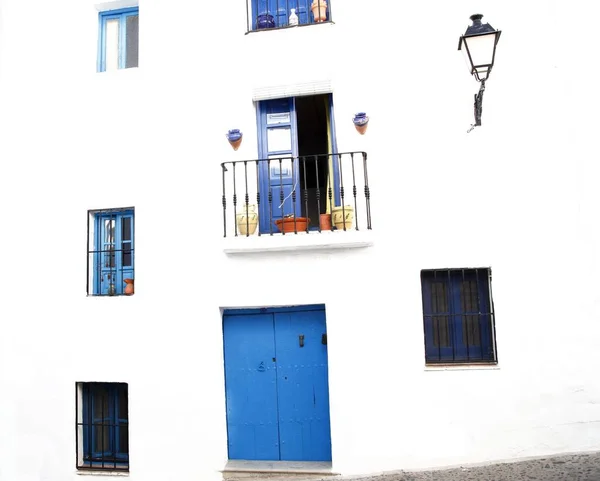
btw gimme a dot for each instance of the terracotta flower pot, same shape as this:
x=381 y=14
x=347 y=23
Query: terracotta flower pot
x=128 y=286
x=319 y=10
x=325 y=221
x=287 y=224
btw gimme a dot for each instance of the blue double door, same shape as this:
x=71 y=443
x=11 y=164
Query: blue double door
x=276 y=384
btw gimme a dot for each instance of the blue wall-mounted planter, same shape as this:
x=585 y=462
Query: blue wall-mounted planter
x=234 y=136
x=360 y=122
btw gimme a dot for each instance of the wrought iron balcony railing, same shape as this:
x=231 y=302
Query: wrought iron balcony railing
x=292 y=195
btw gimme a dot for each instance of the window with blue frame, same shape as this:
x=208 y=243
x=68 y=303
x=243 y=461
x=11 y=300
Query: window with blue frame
x=102 y=426
x=111 y=252
x=285 y=13
x=118 y=43
x=458 y=316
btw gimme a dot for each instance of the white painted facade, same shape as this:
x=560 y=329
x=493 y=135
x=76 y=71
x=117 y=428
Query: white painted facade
x=518 y=194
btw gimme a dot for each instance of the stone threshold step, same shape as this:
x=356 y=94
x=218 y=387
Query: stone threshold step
x=279 y=467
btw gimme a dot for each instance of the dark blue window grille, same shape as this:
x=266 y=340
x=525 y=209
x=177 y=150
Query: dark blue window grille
x=458 y=316
x=111 y=248
x=102 y=426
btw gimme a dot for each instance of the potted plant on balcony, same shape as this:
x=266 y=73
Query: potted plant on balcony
x=289 y=223
x=325 y=221
x=319 y=10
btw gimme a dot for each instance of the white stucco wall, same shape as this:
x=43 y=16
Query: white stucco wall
x=518 y=195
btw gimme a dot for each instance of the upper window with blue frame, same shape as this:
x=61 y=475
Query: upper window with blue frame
x=458 y=316
x=102 y=426
x=111 y=252
x=118 y=44
x=266 y=14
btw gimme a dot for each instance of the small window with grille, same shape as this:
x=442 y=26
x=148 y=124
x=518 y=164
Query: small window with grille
x=111 y=248
x=458 y=316
x=102 y=426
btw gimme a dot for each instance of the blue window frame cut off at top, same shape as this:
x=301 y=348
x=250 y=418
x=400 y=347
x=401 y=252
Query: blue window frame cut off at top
x=458 y=316
x=124 y=39
x=105 y=425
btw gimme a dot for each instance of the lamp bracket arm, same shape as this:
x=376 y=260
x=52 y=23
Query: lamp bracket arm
x=478 y=106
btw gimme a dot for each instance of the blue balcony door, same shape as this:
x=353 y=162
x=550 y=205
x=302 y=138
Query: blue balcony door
x=114 y=246
x=293 y=134
x=276 y=382
x=278 y=142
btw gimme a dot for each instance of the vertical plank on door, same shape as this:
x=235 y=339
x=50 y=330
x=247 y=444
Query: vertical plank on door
x=250 y=384
x=302 y=385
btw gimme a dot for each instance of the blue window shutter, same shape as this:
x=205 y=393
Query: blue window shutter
x=437 y=310
x=336 y=161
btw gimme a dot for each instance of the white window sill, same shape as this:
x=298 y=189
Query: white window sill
x=297 y=242
x=101 y=472
x=462 y=367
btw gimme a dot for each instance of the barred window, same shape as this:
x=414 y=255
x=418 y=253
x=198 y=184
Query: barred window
x=111 y=247
x=458 y=315
x=102 y=426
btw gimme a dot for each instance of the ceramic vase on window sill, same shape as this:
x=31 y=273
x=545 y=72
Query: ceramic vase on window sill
x=265 y=20
x=319 y=10
x=128 y=286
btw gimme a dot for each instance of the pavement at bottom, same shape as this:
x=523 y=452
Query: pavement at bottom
x=570 y=467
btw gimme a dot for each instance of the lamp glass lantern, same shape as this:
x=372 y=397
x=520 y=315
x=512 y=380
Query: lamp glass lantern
x=478 y=44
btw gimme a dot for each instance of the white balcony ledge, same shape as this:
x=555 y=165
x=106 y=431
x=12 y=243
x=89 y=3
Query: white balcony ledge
x=301 y=241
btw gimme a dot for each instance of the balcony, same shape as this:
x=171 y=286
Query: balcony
x=318 y=200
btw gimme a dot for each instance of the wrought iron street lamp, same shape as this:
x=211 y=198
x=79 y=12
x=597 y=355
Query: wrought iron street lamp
x=478 y=44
